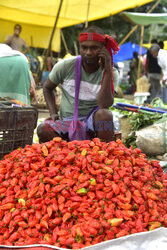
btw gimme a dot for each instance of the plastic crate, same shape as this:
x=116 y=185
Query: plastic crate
x=17 y=126
x=139 y=98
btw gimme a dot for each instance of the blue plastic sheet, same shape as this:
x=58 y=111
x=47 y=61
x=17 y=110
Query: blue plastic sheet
x=126 y=52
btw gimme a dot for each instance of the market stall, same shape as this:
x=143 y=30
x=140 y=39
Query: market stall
x=80 y=195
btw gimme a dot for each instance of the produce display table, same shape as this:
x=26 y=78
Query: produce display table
x=82 y=195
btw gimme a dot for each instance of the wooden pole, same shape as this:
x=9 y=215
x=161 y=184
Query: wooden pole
x=31 y=41
x=54 y=28
x=76 y=48
x=150 y=37
x=87 y=14
x=140 y=52
x=136 y=26
x=153 y=7
x=128 y=35
x=64 y=42
x=47 y=51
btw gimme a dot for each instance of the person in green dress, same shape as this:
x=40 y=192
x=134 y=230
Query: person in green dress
x=134 y=70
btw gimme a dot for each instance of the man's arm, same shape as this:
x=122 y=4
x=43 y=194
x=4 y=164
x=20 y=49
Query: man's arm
x=162 y=62
x=9 y=39
x=48 y=90
x=165 y=72
x=25 y=47
x=25 y=50
x=105 y=98
x=164 y=77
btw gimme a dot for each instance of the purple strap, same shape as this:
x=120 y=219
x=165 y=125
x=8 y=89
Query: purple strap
x=77 y=86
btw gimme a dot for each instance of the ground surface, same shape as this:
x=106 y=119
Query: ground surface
x=43 y=113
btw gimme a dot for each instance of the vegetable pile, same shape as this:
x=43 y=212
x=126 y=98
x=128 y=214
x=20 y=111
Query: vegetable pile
x=80 y=193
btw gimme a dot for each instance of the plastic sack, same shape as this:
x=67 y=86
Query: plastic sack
x=152 y=140
x=157 y=102
x=151 y=240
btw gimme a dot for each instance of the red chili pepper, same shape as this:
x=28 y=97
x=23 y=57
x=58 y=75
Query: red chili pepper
x=76 y=198
x=115 y=188
x=13 y=237
x=32 y=223
x=61 y=199
x=2 y=190
x=32 y=192
x=66 y=216
x=7 y=218
x=100 y=195
x=122 y=233
x=22 y=224
x=8 y=199
x=7 y=206
x=49 y=210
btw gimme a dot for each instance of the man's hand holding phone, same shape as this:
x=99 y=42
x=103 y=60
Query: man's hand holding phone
x=104 y=59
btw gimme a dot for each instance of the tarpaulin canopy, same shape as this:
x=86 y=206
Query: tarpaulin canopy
x=126 y=52
x=145 y=18
x=38 y=16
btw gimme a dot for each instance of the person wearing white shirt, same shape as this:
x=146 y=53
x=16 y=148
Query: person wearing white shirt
x=161 y=55
x=16 y=80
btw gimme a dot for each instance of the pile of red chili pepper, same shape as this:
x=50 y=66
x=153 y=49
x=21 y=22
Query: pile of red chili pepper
x=80 y=193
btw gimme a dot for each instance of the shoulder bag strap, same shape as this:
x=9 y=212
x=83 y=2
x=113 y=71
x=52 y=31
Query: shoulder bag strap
x=77 y=86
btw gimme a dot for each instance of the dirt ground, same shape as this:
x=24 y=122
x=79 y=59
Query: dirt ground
x=128 y=97
x=43 y=113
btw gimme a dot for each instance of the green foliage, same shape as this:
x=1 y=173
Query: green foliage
x=140 y=120
x=126 y=87
x=131 y=140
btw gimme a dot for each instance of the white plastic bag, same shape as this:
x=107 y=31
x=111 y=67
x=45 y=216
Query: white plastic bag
x=151 y=240
x=152 y=140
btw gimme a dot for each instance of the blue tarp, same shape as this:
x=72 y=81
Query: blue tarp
x=126 y=52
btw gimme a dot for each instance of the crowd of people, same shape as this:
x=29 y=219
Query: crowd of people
x=89 y=102
x=154 y=66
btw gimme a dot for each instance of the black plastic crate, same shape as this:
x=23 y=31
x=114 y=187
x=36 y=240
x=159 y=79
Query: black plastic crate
x=17 y=126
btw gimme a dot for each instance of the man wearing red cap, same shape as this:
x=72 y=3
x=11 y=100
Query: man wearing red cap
x=97 y=84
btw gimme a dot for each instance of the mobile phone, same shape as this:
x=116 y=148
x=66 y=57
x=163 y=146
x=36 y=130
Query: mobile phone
x=101 y=62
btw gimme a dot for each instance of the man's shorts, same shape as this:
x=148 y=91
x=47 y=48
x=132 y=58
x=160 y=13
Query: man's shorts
x=61 y=127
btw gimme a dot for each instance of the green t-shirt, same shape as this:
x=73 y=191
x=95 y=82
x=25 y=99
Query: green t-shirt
x=63 y=73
